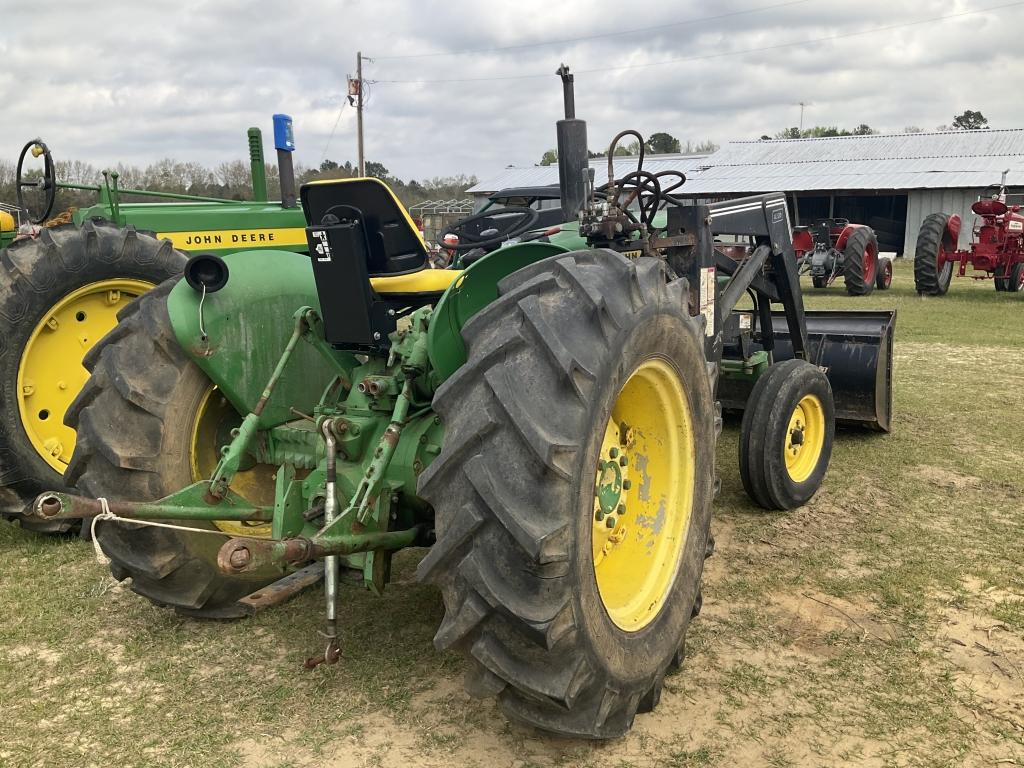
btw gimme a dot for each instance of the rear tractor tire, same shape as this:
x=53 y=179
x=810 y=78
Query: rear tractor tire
x=148 y=422
x=931 y=247
x=59 y=294
x=860 y=261
x=786 y=435
x=573 y=493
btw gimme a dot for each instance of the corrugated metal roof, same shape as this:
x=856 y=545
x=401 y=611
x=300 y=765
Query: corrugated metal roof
x=943 y=160
x=540 y=175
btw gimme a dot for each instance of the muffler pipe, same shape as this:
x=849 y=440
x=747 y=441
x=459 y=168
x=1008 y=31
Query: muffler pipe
x=573 y=160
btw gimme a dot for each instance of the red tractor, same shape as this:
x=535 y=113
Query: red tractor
x=832 y=247
x=997 y=248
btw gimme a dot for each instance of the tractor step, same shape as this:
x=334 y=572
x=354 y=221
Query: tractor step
x=283 y=589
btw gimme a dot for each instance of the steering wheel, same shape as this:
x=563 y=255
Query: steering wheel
x=490 y=228
x=992 y=192
x=47 y=183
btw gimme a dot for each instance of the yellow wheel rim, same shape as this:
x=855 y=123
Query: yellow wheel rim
x=215 y=418
x=643 y=495
x=50 y=372
x=805 y=438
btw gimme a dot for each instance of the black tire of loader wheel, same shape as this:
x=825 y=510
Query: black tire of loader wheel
x=35 y=274
x=134 y=419
x=1002 y=284
x=853 y=261
x=928 y=279
x=763 y=433
x=819 y=282
x=512 y=491
x=883 y=277
x=1016 y=282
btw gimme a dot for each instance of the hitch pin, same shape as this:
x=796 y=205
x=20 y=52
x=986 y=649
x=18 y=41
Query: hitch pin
x=333 y=650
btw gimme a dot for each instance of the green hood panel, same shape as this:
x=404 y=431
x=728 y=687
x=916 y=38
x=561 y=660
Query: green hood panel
x=248 y=323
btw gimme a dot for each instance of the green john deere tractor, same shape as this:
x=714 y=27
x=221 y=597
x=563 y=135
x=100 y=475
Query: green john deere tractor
x=544 y=420
x=62 y=286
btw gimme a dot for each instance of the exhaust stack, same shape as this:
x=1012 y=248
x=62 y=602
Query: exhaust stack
x=573 y=163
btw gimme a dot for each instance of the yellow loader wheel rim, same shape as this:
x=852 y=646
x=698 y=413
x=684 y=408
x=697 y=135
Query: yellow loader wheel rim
x=805 y=438
x=215 y=418
x=50 y=371
x=643 y=496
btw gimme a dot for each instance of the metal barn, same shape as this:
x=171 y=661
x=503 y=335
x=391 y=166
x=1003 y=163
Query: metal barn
x=889 y=181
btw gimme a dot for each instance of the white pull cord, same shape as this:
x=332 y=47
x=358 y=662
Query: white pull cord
x=106 y=514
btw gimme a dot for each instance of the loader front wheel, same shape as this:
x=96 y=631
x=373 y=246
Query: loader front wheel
x=572 y=496
x=786 y=435
x=932 y=248
x=59 y=294
x=860 y=261
x=149 y=423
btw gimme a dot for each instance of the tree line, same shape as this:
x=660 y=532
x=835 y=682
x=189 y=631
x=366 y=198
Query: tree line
x=665 y=143
x=659 y=143
x=230 y=180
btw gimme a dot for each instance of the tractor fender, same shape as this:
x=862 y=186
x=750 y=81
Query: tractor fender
x=475 y=288
x=803 y=243
x=247 y=325
x=952 y=236
x=848 y=230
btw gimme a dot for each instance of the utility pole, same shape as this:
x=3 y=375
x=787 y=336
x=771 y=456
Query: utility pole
x=359 y=112
x=802 y=105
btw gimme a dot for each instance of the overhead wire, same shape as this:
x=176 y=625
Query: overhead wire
x=722 y=54
x=597 y=36
x=344 y=103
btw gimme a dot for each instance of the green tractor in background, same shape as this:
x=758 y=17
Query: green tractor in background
x=61 y=288
x=545 y=420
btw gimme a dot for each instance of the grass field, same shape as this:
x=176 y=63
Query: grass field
x=880 y=625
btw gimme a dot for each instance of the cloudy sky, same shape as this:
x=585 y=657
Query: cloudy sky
x=139 y=81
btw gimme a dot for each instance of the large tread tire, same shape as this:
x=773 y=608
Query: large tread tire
x=134 y=419
x=857 y=244
x=36 y=274
x=928 y=278
x=1015 y=284
x=772 y=401
x=513 y=491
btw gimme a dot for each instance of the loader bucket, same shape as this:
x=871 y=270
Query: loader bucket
x=854 y=348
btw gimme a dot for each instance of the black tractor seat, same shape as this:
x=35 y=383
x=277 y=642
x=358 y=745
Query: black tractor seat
x=369 y=261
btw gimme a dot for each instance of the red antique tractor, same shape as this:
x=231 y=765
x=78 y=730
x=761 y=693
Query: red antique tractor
x=997 y=248
x=833 y=247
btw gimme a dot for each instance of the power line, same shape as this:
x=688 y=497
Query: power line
x=598 y=36
x=723 y=54
x=344 y=103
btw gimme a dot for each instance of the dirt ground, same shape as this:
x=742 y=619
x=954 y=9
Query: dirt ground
x=880 y=625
